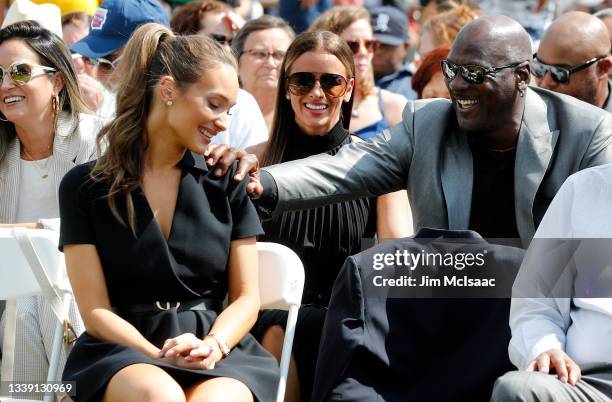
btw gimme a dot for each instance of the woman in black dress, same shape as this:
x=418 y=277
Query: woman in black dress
x=313 y=112
x=154 y=241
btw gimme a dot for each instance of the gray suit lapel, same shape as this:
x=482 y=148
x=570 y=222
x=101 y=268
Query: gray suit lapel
x=534 y=150
x=457 y=179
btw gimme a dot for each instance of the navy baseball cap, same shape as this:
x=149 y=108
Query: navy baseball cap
x=390 y=25
x=114 y=22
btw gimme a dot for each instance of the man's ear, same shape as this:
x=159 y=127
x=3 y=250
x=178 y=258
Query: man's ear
x=603 y=66
x=523 y=74
x=167 y=88
x=349 y=90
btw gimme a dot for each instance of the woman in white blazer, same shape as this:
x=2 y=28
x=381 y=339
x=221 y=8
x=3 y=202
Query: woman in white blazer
x=43 y=134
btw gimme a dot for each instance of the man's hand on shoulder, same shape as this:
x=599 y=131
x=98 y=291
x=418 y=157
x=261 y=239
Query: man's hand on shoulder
x=221 y=158
x=567 y=370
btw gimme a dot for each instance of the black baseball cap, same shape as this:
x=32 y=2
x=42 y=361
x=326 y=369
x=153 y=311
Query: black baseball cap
x=390 y=25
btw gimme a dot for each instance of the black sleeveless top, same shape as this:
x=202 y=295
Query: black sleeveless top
x=322 y=237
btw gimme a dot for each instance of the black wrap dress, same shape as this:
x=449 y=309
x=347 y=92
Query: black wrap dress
x=189 y=267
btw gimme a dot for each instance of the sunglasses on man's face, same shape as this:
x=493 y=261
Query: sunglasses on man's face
x=333 y=85
x=559 y=74
x=472 y=73
x=22 y=72
x=222 y=39
x=370 y=45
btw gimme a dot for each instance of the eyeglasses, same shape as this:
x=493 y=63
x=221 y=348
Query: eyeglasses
x=261 y=55
x=101 y=62
x=472 y=73
x=21 y=72
x=333 y=85
x=370 y=45
x=222 y=39
x=560 y=75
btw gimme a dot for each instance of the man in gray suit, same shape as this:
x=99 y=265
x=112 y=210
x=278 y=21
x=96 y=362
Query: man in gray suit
x=491 y=160
x=574 y=59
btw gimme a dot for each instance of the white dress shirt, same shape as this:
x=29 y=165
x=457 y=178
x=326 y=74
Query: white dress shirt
x=582 y=327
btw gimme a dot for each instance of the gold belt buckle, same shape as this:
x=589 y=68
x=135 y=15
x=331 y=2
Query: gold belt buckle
x=167 y=305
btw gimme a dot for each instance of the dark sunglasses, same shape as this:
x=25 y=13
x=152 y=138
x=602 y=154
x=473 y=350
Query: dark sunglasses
x=561 y=75
x=334 y=85
x=21 y=72
x=222 y=39
x=472 y=73
x=370 y=45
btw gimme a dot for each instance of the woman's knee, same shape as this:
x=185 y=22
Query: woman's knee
x=143 y=382
x=272 y=340
x=221 y=389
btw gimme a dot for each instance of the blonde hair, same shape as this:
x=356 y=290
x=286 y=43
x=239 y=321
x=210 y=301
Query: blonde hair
x=445 y=26
x=152 y=52
x=336 y=20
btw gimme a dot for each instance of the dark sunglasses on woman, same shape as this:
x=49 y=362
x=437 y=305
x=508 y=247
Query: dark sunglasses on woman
x=21 y=72
x=559 y=74
x=333 y=85
x=370 y=45
x=472 y=73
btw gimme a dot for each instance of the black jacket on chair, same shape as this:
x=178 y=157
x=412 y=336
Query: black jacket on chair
x=414 y=349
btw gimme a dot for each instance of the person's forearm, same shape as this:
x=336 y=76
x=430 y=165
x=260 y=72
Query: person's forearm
x=358 y=170
x=236 y=320
x=109 y=327
x=29 y=225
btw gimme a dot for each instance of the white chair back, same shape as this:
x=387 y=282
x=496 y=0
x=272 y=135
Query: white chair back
x=31 y=264
x=281 y=282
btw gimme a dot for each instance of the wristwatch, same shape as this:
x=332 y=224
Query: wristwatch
x=225 y=350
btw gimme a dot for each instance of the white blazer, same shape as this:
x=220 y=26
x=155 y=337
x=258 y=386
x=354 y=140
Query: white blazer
x=73 y=145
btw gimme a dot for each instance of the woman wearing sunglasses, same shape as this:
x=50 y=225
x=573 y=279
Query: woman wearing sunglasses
x=313 y=113
x=374 y=109
x=43 y=134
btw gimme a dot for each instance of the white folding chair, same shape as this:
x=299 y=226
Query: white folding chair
x=30 y=264
x=281 y=282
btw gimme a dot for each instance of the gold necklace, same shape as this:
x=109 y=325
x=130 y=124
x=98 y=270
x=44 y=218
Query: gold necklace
x=44 y=170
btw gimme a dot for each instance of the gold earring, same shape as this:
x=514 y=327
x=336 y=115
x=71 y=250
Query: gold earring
x=169 y=102
x=55 y=104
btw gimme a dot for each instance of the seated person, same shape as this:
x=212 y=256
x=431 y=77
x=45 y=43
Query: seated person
x=154 y=240
x=44 y=132
x=313 y=113
x=561 y=345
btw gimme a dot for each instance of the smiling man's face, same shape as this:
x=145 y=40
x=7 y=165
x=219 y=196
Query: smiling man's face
x=494 y=104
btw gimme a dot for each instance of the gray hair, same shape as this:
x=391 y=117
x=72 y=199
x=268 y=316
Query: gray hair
x=259 y=24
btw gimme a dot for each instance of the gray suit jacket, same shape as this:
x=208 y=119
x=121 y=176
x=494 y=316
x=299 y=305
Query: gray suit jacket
x=431 y=157
x=72 y=146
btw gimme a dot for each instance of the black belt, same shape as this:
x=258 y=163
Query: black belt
x=197 y=304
